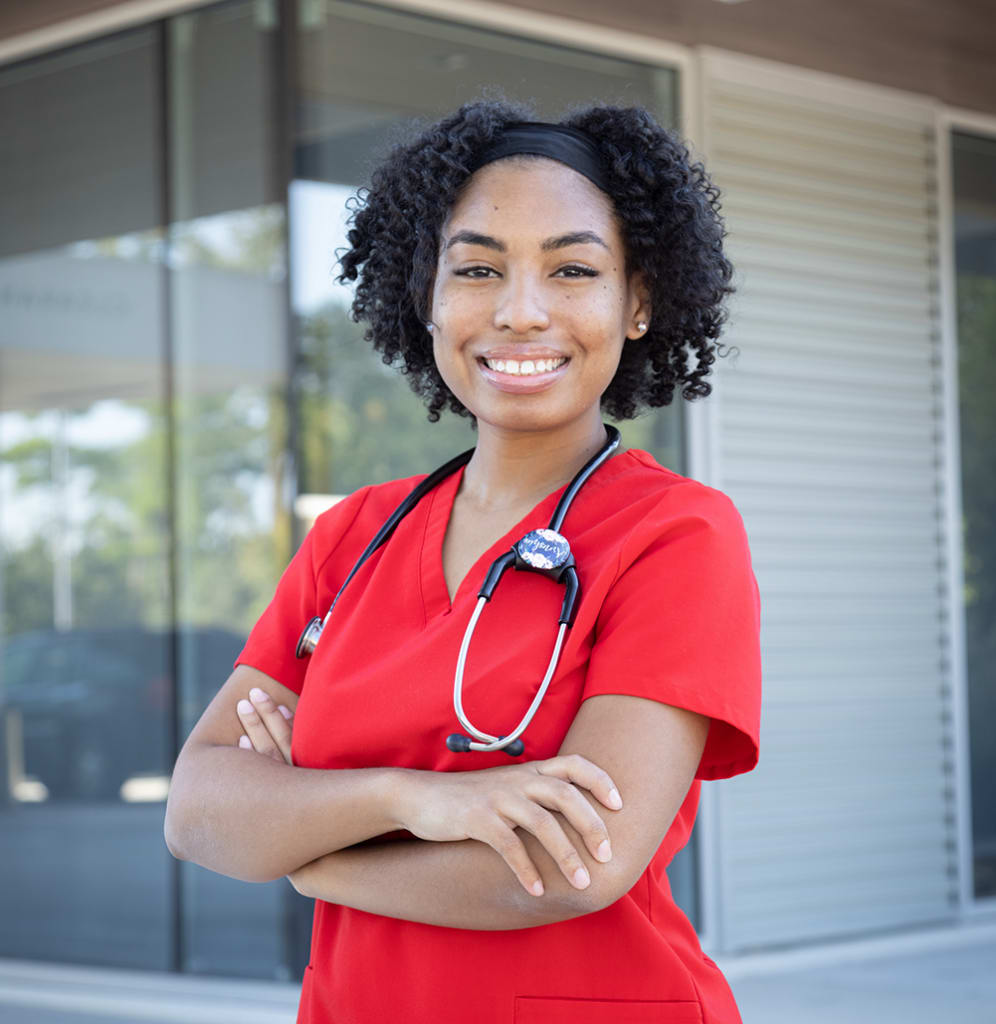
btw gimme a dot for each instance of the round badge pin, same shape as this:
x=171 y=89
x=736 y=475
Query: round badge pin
x=544 y=549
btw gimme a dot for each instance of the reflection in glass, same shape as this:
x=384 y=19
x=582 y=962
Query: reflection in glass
x=227 y=260
x=975 y=264
x=84 y=615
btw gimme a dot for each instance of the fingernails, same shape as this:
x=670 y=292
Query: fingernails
x=615 y=800
x=244 y=741
x=286 y=712
x=245 y=708
x=604 y=851
x=536 y=888
x=581 y=879
x=256 y=694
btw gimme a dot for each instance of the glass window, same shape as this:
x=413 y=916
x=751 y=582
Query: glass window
x=974 y=165
x=85 y=691
x=228 y=316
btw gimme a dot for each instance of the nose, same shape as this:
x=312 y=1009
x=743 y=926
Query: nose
x=521 y=307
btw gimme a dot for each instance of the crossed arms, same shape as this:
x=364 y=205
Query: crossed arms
x=487 y=837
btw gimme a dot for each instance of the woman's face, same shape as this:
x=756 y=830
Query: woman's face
x=531 y=304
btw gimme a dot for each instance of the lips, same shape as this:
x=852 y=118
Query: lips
x=524 y=367
x=523 y=376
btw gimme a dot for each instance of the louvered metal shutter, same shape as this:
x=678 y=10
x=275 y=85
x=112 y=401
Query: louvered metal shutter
x=828 y=436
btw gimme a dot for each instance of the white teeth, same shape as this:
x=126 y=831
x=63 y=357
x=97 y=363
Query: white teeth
x=525 y=368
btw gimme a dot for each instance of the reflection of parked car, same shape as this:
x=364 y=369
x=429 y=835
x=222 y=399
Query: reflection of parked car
x=94 y=703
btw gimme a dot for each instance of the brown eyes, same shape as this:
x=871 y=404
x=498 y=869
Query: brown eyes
x=572 y=270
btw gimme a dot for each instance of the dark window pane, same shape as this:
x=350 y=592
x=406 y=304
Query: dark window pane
x=975 y=261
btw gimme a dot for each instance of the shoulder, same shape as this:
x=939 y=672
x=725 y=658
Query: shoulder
x=358 y=514
x=655 y=501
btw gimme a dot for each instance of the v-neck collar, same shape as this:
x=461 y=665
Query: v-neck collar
x=439 y=507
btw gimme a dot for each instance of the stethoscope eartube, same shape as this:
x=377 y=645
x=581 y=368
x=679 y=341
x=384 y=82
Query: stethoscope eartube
x=546 y=552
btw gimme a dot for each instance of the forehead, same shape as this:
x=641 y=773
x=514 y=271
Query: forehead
x=535 y=192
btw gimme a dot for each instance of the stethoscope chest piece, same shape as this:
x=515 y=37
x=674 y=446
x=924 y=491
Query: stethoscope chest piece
x=310 y=636
x=544 y=551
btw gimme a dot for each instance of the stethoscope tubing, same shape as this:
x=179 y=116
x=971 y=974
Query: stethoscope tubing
x=487 y=742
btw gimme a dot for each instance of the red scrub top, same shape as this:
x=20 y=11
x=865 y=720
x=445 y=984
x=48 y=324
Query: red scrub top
x=668 y=611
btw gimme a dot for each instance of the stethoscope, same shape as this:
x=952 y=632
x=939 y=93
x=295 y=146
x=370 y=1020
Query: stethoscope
x=546 y=552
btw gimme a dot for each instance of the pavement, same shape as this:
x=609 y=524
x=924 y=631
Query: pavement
x=942 y=976
x=947 y=976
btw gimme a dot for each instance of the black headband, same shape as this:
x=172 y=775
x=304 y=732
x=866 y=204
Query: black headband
x=568 y=145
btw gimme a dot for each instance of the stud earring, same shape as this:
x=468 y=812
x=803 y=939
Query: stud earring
x=642 y=325
x=430 y=327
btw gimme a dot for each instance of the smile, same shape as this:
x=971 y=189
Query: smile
x=524 y=367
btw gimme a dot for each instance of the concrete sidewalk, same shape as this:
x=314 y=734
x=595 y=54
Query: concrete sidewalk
x=943 y=976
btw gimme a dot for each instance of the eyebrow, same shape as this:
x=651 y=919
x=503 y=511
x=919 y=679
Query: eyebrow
x=560 y=242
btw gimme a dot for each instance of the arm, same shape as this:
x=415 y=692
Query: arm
x=650 y=749
x=255 y=818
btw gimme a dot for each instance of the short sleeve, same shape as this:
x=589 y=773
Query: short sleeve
x=272 y=643
x=681 y=623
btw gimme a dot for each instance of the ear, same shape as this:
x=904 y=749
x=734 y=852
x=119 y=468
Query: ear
x=638 y=306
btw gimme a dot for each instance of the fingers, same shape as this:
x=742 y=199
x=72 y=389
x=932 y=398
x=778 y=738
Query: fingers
x=579 y=770
x=545 y=827
x=565 y=797
x=267 y=726
x=513 y=851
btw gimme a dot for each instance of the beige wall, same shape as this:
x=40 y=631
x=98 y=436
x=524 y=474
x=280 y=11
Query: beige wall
x=942 y=48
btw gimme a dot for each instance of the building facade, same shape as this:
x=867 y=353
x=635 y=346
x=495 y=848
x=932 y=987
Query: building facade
x=181 y=388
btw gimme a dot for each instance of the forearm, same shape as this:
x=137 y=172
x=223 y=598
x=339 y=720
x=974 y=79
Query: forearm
x=250 y=817
x=458 y=885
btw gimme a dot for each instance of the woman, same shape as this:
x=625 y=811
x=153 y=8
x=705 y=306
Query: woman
x=531 y=277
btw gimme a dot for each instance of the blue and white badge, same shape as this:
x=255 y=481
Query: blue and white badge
x=544 y=549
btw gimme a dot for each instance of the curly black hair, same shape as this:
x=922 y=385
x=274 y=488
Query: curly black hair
x=668 y=214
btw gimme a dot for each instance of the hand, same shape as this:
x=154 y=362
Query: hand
x=488 y=805
x=267 y=726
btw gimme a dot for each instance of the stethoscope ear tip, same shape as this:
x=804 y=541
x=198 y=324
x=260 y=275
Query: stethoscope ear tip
x=458 y=743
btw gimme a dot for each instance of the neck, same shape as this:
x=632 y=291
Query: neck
x=510 y=468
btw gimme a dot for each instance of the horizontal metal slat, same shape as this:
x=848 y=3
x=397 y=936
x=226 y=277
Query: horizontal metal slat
x=791 y=657
x=743 y=933
x=910 y=835
x=732 y=170
x=771 y=104
x=757 y=502
x=839 y=268
x=773 y=180
x=827 y=474
x=789 y=295
x=846 y=136
x=832 y=242
x=788 y=332
x=789 y=446
x=743 y=205
x=860 y=867
x=740 y=415
x=877 y=169
x=884 y=887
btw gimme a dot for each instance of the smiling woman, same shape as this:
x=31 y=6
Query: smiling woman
x=530 y=276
